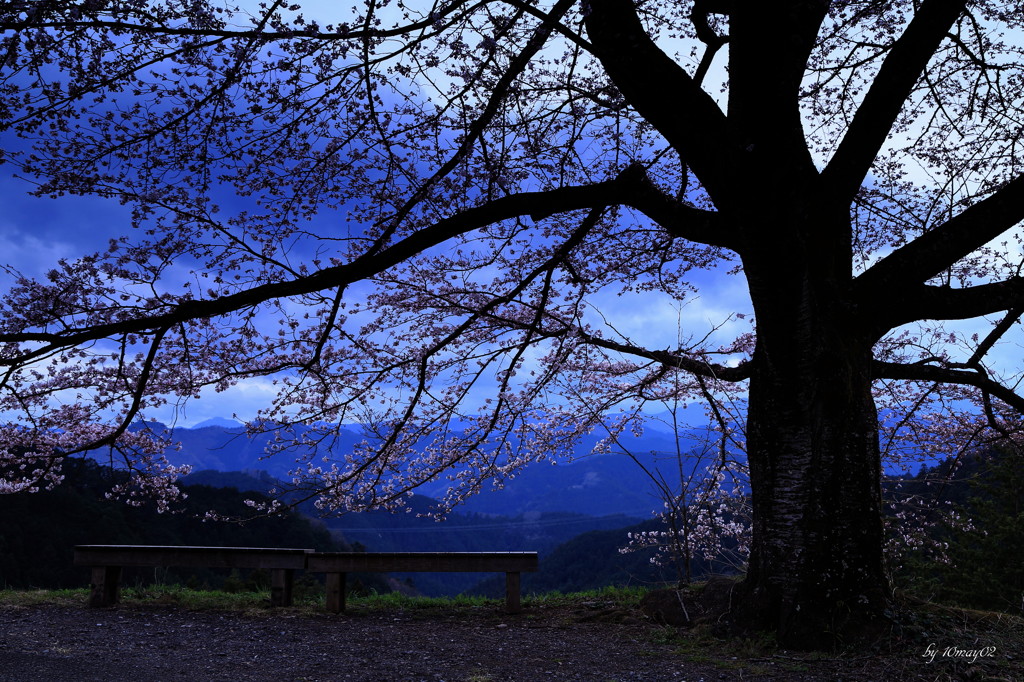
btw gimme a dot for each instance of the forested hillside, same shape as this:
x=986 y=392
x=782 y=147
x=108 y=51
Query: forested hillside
x=969 y=551
x=594 y=485
x=38 y=531
x=416 y=531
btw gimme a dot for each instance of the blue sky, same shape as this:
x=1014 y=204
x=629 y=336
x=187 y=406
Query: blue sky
x=36 y=232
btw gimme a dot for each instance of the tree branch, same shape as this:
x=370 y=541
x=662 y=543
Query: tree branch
x=993 y=336
x=770 y=44
x=675 y=217
x=908 y=267
x=476 y=129
x=945 y=303
x=538 y=205
x=926 y=372
x=660 y=90
x=700 y=368
x=137 y=397
x=713 y=42
x=891 y=88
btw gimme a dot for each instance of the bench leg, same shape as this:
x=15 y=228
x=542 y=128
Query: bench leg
x=282 y=582
x=336 y=592
x=512 y=592
x=106 y=586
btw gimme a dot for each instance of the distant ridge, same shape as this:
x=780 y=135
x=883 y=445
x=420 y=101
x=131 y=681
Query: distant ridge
x=219 y=422
x=593 y=485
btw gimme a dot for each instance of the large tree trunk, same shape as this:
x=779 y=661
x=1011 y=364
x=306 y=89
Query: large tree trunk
x=816 y=562
x=816 y=571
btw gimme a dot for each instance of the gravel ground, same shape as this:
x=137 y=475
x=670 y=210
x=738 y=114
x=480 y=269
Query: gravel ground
x=589 y=642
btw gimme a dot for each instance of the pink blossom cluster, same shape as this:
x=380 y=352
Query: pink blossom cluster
x=711 y=519
x=438 y=222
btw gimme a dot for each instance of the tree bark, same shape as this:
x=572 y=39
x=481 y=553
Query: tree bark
x=816 y=562
x=816 y=572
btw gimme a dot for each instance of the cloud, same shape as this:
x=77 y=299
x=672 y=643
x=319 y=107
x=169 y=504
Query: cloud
x=656 y=320
x=36 y=232
x=243 y=400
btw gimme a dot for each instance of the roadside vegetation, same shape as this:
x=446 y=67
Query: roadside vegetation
x=309 y=597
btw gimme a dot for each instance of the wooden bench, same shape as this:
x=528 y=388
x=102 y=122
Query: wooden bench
x=108 y=560
x=337 y=564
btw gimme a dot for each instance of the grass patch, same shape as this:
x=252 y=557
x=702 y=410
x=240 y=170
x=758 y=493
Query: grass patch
x=195 y=599
x=76 y=597
x=398 y=601
x=248 y=601
x=176 y=595
x=625 y=597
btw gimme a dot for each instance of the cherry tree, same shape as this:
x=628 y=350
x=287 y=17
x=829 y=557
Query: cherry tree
x=422 y=217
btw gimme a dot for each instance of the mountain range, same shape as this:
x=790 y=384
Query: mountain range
x=541 y=509
x=593 y=485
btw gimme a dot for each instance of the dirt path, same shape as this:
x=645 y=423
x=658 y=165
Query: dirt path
x=139 y=644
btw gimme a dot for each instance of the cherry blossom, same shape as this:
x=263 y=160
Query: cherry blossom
x=436 y=220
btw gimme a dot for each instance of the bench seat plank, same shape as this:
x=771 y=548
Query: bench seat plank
x=337 y=564
x=430 y=562
x=107 y=562
x=211 y=557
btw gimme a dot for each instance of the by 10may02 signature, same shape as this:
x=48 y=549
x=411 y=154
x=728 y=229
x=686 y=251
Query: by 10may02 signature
x=970 y=655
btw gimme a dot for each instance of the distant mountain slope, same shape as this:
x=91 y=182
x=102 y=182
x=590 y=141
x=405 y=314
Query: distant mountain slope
x=461 y=531
x=229 y=448
x=595 y=485
x=250 y=480
x=541 y=533
x=39 y=531
x=589 y=561
x=219 y=422
x=594 y=560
